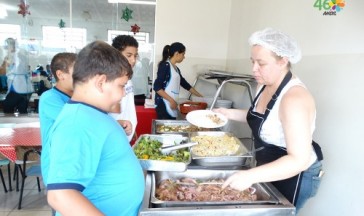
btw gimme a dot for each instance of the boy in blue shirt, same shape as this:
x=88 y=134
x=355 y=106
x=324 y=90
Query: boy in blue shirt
x=52 y=101
x=92 y=168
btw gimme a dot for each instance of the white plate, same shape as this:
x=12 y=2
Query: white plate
x=200 y=118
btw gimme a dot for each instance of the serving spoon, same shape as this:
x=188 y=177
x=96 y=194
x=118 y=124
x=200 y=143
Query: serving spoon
x=167 y=149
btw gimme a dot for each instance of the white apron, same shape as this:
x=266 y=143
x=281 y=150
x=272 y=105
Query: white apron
x=128 y=111
x=17 y=74
x=172 y=89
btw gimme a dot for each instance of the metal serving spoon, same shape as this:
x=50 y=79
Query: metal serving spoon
x=179 y=146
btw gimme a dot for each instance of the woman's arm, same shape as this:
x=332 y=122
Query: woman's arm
x=195 y=92
x=233 y=114
x=71 y=202
x=296 y=112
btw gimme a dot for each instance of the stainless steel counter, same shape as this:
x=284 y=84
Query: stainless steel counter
x=283 y=208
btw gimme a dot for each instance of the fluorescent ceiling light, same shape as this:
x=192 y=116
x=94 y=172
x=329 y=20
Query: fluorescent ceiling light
x=133 y=2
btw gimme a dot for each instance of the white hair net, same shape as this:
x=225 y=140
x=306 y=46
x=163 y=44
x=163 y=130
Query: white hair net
x=278 y=42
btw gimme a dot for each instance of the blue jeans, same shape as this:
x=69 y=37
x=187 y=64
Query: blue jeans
x=310 y=183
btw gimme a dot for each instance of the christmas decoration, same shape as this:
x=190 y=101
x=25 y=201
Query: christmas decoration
x=23 y=8
x=127 y=14
x=61 y=24
x=135 y=28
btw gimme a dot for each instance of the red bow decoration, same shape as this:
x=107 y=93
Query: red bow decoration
x=23 y=8
x=135 y=28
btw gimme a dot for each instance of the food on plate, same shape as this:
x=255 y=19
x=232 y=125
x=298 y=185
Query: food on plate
x=215 y=119
x=189 y=189
x=215 y=145
x=149 y=149
x=178 y=128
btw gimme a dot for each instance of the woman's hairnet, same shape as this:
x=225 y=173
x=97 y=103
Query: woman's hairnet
x=278 y=42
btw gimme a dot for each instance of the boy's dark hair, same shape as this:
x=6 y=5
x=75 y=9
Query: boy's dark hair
x=120 y=42
x=62 y=61
x=99 y=58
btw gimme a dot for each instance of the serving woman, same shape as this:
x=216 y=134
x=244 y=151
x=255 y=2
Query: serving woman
x=168 y=81
x=282 y=119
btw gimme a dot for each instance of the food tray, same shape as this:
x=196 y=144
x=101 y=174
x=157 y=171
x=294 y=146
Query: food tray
x=186 y=127
x=238 y=159
x=263 y=195
x=159 y=165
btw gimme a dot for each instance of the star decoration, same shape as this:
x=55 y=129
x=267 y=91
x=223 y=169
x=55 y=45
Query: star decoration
x=23 y=8
x=61 y=24
x=127 y=14
x=135 y=28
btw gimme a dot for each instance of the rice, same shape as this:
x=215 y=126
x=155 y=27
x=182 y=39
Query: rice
x=214 y=145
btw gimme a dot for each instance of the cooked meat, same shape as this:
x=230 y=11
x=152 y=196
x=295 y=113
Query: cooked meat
x=188 y=189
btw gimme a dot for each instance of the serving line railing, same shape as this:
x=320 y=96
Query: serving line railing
x=239 y=81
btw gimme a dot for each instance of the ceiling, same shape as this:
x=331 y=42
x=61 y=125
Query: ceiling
x=100 y=11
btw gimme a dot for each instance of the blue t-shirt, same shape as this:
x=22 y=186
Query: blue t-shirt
x=90 y=153
x=50 y=105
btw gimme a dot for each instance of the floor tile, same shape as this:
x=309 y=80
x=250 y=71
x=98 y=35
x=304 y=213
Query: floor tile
x=34 y=202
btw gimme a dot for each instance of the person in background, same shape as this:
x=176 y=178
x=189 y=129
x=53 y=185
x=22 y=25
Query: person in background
x=3 y=78
x=140 y=77
x=50 y=75
x=282 y=119
x=52 y=101
x=19 y=84
x=168 y=81
x=89 y=172
x=48 y=69
x=125 y=113
x=44 y=83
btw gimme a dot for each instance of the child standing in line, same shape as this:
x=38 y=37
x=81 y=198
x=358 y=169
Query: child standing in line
x=92 y=168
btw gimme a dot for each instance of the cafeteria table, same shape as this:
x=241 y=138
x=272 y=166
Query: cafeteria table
x=145 y=117
x=12 y=140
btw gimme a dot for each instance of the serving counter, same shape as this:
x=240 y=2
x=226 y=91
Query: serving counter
x=270 y=201
x=279 y=207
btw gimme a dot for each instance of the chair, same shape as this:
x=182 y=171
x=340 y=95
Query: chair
x=33 y=158
x=34 y=170
x=4 y=162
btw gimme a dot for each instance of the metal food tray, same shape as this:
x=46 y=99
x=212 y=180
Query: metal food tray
x=156 y=123
x=238 y=159
x=159 y=165
x=263 y=196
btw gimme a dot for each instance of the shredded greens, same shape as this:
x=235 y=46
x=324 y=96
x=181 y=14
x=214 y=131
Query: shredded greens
x=149 y=149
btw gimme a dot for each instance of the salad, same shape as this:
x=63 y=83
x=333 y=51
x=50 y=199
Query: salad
x=149 y=149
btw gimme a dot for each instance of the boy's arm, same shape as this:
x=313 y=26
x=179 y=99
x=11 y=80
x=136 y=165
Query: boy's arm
x=71 y=202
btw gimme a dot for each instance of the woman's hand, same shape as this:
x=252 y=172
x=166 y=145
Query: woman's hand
x=239 y=181
x=223 y=111
x=232 y=114
x=128 y=128
x=173 y=104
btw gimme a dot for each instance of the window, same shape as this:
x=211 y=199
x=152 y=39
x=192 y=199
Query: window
x=69 y=38
x=9 y=30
